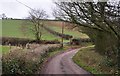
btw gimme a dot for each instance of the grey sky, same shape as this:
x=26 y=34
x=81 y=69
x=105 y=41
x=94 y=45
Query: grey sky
x=16 y=10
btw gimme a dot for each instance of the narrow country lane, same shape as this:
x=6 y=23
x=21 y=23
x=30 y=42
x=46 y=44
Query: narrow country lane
x=63 y=64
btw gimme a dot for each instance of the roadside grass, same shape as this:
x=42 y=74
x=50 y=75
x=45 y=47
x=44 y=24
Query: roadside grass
x=55 y=52
x=92 y=61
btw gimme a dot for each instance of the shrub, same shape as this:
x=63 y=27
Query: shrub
x=23 y=41
x=26 y=61
x=105 y=43
x=78 y=41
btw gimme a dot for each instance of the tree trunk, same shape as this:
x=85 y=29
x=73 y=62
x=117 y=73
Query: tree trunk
x=118 y=57
x=62 y=33
x=37 y=36
x=40 y=35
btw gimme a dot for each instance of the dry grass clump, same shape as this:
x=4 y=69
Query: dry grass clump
x=26 y=61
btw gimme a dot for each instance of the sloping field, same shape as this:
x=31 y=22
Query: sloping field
x=68 y=28
x=75 y=34
x=12 y=28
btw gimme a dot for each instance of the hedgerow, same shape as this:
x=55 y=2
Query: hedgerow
x=27 y=61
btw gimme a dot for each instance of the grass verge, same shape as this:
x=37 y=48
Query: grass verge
x=92 y=61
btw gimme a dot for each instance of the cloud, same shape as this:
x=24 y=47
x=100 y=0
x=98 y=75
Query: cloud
x=16 y=10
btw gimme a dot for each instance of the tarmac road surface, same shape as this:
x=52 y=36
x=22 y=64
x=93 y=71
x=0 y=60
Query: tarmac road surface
x=63 y=64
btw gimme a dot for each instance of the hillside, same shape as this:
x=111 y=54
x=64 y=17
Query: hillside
x=12 y=28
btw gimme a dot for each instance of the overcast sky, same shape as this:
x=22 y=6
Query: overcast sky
x=14 y=9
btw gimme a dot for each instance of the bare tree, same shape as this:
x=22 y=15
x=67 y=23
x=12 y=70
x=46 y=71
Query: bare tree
x=36 y=16
x=102 y=18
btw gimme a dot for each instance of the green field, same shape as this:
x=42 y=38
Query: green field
x=4 y=49
x=75 y=34
x=12 y=28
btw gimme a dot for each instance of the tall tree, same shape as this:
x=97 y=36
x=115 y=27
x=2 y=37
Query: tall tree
x=97 y=16
x=36 y=16
x=101 y=19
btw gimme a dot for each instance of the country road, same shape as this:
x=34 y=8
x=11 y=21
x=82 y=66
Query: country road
x=63 y=64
